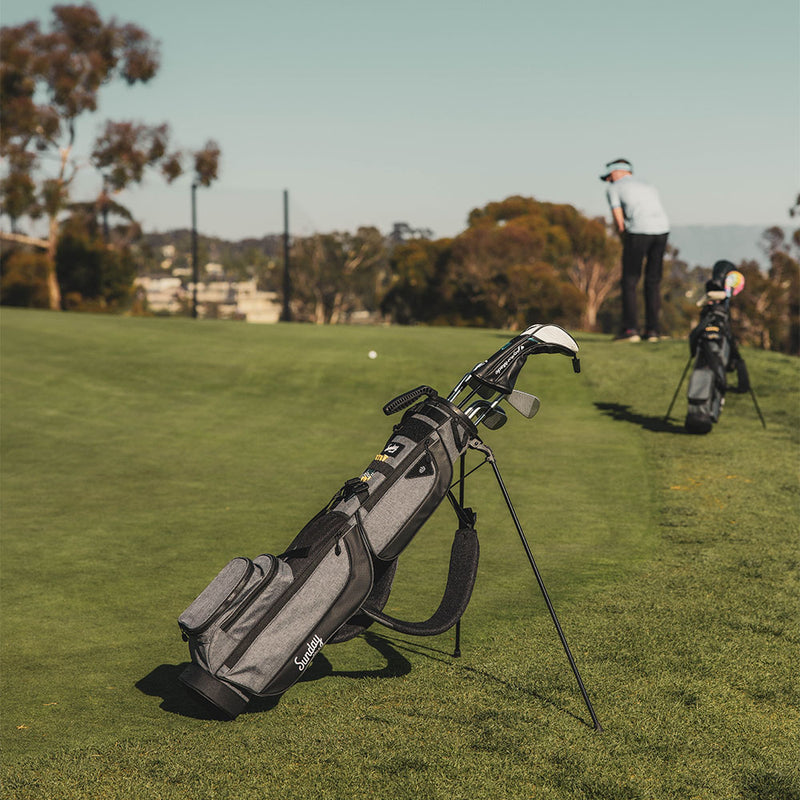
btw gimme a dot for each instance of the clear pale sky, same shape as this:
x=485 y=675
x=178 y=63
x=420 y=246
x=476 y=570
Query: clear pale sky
x=371 y=112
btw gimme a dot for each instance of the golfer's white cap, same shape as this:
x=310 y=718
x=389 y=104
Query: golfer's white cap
x=620 y=163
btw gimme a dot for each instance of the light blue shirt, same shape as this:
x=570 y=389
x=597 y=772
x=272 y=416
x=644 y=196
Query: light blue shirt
x=640 y=204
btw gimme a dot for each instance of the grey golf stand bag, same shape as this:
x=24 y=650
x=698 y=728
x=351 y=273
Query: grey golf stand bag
x=713 y=350
x=257 y=626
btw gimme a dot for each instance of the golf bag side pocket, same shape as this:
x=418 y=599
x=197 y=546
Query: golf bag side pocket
x=700 y=413
x=259 y=638
x=228 y=587
x=411 y=475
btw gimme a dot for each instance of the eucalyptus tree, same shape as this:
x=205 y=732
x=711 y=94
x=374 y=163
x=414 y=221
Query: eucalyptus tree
x=50 y=80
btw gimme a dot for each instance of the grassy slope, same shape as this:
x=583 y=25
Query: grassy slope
x=140 y=455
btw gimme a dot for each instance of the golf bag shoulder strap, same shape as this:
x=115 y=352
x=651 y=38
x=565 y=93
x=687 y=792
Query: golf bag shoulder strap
x=458 y=590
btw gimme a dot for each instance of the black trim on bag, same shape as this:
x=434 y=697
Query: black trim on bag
x=379 y=466
x=430 y=410
x=453 y=412
x=415 y=429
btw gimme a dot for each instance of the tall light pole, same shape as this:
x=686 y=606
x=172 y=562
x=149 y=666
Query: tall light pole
x=194 y=250
x=286 y=314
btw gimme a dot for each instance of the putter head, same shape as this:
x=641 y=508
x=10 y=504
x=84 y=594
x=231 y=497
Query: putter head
x=500 y=371
x=526 y=404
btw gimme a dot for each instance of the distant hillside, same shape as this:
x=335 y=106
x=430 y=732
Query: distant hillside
x=702 y=245
x=218 y=248
x=698 y=245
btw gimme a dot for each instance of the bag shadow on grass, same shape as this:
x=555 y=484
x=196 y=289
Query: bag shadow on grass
x=444 y=657
x=175 y=698
x=163 y=681
x=623 y=413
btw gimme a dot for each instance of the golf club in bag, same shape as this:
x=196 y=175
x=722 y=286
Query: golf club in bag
x=256 y=627
x=713 y=349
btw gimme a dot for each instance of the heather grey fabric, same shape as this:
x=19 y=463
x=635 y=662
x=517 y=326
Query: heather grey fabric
x=261 y=635
x=400 y=502
x=410 y=476
x=260 y=623
x=701 y=382
x=292 y=626
x=210 y=648
x=230 y=580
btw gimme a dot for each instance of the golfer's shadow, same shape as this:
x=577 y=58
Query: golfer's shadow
x=163 y=681
x=622 y=413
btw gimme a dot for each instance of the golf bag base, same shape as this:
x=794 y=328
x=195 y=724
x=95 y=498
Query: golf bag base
x=258 y=625
x=706 y=398
x=698 y=424
x=212 y=691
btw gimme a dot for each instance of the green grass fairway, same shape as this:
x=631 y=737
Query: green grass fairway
x=140 y=455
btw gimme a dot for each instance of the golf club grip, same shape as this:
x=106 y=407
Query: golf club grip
x=405 y=400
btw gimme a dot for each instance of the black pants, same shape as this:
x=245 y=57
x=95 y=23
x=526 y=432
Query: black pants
x=636 y=247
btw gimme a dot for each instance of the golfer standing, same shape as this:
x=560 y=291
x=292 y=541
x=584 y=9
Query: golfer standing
x=642 y=222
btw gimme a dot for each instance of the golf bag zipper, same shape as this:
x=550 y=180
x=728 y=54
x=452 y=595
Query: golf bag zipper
x=223 y=606
x=297 y=583
x=254 y=592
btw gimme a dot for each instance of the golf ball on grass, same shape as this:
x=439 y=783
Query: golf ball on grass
x=372 y=354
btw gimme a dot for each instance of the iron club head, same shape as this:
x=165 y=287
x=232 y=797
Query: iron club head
x=526 y=404
x=482 y=411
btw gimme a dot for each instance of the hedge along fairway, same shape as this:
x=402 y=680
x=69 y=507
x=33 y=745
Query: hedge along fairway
x=140 y=455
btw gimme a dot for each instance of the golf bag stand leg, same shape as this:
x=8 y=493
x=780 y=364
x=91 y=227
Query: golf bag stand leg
x=758 y=410
x=490 y=458
x=755 y=402
x=462 y=470
x=678 y=388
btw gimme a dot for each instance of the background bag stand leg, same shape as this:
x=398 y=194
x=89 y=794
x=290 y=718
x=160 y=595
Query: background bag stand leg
x=758 y=410
x=476 y=444
x=750 y=389
x=680 y=383
x=678 y=388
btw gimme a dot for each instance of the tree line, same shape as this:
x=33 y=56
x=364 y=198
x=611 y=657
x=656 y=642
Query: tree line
x=521 y=261
x=518 y=261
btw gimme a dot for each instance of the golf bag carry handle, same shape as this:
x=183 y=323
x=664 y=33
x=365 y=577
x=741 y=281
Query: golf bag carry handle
x=408 y=398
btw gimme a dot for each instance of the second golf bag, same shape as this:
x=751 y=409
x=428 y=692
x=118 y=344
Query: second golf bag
x=714 y=349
